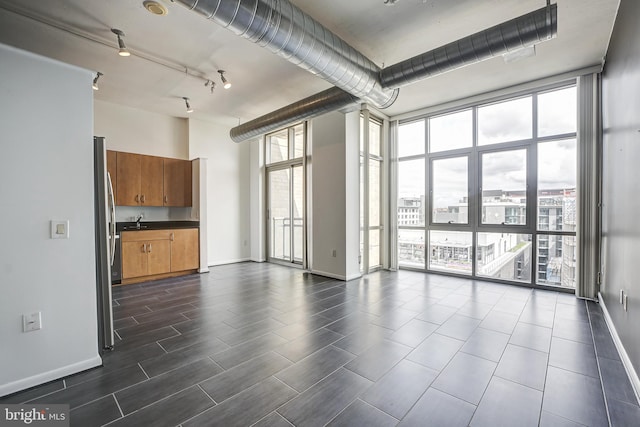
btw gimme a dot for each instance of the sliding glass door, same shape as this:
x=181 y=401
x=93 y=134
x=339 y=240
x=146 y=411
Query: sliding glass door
x=286 y=196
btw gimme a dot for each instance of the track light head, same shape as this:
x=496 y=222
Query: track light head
x=95 y=81
x=225 y=83
x=186 y=103
x=122 y=51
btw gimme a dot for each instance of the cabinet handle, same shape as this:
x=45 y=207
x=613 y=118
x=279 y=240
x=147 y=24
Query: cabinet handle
x=144 y=248
x=142 y=198
x=137 y=198
x=166 y=200
x=149 y=247
x=173 y=236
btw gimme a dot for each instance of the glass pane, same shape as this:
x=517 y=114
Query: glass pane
x=374 y=193
x=375 y=132
x=298 y=141
x=556 y=261
x=505 y=121
x=557 y=112
x=450 y=251
x=411 y=248
x=278 y=146
x=411 y=139
x=411 y=193
x=450 y=191
x=557 y=185
x=451 y=131
x=504 y=256
x=374 y=248
x=279 y=219
x=504 y=187
x=298 y=214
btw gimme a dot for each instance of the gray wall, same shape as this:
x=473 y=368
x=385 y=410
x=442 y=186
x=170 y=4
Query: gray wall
x=621 y=177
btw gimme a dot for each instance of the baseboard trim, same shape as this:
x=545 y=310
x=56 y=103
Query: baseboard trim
x=229 y=261
x=45 y=377
x=626 y=361
x=330 y=275
x=354 y=276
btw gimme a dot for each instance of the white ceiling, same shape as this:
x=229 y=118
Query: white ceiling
x=262 y=82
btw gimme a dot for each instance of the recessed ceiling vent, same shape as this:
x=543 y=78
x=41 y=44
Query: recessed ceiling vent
x=155 y=8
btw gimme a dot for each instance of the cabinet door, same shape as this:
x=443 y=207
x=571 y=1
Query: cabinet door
x=112 y=169
x=177 y=182
x=184 y=250
x=128 y=179
x=151 y=186
x=159 y=252
x=134 y=259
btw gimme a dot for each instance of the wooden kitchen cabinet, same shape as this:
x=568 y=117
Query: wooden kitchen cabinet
x=112 y=170
x=139 y=180
x=145 y=253
x=155 y=254
x=177 y=182
x=185 y=253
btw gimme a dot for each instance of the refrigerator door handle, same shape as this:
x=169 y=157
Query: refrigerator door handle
x=112 y=220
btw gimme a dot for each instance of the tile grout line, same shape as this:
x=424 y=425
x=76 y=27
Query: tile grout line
x=143 y=371
x=118 y=404
x=206 y=394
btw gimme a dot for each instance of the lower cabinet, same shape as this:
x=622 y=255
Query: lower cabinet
x=150 y=254
x=185 y=252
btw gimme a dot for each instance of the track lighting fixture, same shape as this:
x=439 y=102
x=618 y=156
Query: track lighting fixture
x=210 y=83
x=226 y=84
x=122 y=51
x=186 y=102
x=95 y=81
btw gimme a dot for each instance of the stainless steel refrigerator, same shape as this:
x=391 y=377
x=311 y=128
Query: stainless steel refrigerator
x=105 y=243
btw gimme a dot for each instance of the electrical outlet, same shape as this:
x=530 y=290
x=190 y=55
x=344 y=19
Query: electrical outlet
x=624 y=303
x=32 y=321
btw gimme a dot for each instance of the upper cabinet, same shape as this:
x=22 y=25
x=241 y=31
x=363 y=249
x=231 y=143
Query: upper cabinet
x=152 y=181
x=177 y=182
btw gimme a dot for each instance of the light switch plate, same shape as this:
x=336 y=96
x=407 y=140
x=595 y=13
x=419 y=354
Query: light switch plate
x=32 y=321
x=60 y=229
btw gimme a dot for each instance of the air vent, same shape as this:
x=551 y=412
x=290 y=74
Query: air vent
x=155 y=8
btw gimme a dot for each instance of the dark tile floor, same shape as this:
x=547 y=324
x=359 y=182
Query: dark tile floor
x=265 y=345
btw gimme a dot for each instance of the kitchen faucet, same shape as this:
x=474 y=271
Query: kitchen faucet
x=138 y=218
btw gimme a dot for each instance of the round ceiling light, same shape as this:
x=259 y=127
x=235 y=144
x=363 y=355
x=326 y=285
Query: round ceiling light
x=155 y=7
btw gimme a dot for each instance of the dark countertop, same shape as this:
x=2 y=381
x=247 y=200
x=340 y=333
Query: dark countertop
x=155 y=225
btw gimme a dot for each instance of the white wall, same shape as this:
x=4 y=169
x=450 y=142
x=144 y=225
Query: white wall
x=46 y=172
x=335 y=204
x=228 y=175
x=352 y=194
x=137 y=131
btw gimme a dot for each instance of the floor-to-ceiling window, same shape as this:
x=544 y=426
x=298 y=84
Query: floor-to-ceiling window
x=285 y=195
x=489 y=190
x=371 y=192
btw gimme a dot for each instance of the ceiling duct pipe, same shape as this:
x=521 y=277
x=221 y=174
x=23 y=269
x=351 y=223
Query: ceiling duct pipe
x=524 y=31
x=284 y=29
x=313 y=106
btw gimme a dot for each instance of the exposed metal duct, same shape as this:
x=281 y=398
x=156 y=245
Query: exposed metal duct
x=313 y=106
x=526 y=30
x=286 y=30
